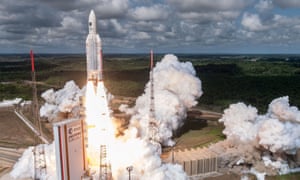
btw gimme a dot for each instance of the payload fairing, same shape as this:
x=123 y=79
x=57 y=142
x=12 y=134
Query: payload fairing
x=93 y=52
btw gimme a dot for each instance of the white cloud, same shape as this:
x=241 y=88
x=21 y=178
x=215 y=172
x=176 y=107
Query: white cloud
x=159 y=28
x=155 y=12
x=111 y=8
x=253 y=22
x=208 y=17
x=264 y=5
x=141 y=36
x=118 y=27
x=71 y=24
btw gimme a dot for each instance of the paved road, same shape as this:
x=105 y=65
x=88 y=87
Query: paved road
x=32 y=127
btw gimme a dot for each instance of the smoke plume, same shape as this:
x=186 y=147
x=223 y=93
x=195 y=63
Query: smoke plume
x=24 y=168
x=276 y=131
x=269 y=142
x=176 y=89
x=62 y=103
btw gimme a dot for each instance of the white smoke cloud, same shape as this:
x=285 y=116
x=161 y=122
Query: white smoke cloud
x=24 y=168
x=276 y=131
x=176 y=89
x=144 y=159
x=62 y=101
x=281 y=109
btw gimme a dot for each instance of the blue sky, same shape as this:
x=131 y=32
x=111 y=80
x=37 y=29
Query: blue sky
x=135 y=26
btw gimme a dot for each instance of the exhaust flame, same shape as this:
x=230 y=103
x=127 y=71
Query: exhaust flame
x=100 y=129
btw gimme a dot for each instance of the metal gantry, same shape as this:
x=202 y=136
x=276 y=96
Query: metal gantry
x=40 y=168
x=105 y=166
x=152 y=129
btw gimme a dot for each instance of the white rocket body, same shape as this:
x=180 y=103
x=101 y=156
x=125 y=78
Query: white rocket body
x=93 y=52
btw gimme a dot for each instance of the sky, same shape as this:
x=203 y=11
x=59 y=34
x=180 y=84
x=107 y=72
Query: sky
x=166 y=26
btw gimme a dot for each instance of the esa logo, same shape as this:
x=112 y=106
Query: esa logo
x=70 y=131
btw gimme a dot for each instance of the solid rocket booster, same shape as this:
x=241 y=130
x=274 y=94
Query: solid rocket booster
x=93 y=52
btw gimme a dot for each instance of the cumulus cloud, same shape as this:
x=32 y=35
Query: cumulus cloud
x=253 y=22
x=111 y=8
x=105 y=8
x=264 y=5
x=141 y=35
x=144 y=13
x=209 y=5
x=209 y=17
x=47 y=25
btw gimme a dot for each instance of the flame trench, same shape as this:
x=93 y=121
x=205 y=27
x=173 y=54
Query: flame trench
x=99 y=130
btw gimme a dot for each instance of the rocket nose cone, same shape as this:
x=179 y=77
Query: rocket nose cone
x=92 y=15
x=92 y=22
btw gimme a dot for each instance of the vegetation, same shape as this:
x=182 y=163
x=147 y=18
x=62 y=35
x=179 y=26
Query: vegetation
x=255 y=80
x=292 y=176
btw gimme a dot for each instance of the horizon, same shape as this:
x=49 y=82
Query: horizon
x=163 y=53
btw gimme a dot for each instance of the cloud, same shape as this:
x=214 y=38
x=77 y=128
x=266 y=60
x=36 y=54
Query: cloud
x=141 y=36
x=148 y=26
x=61 y=26
x=287 y=3
x=112 y=28
x=209 y=17
x=264 y=6
x=106 y=9
x=209 y=5
x=155 y=12
x=253 y=22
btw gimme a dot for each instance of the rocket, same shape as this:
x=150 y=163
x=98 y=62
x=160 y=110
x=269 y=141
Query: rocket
x=93 y=52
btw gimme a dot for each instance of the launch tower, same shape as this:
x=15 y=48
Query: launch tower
x=153 y=129
x=40 y=167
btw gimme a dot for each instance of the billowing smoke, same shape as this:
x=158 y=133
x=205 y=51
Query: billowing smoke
x=24 y=168
x=63 y=103
x=176 y=89
x=268 y=142
x=143 y=157
x=276 y=131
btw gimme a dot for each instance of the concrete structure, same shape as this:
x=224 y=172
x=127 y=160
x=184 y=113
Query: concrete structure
x=195 y=162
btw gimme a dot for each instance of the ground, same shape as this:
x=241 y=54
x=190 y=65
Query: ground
x=14 y=134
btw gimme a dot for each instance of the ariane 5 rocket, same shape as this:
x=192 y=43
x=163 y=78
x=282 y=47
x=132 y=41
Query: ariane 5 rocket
x=94 y=52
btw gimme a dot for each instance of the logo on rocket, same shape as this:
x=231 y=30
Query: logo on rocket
x=93 y=52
